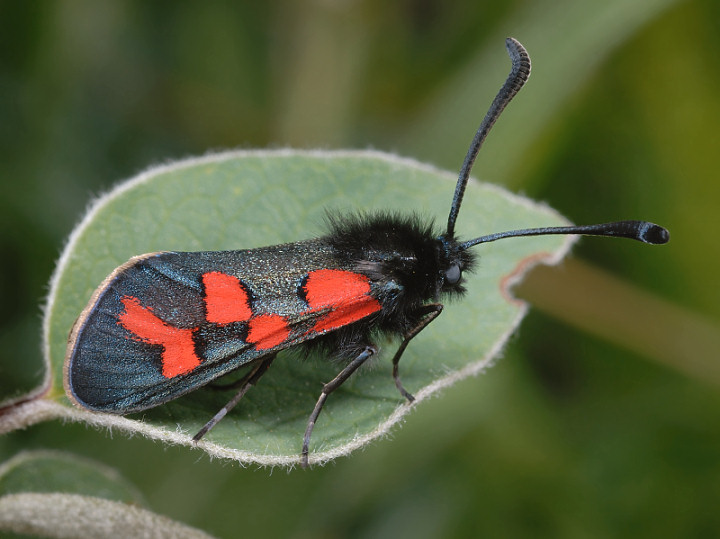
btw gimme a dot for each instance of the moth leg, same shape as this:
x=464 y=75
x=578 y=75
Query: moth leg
x=329 y=388
x=249 y=380
x=430 y=312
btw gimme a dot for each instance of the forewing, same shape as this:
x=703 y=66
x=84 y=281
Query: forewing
x=164 y=324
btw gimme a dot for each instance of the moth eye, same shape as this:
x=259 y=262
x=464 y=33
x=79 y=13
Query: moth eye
x=453 y=274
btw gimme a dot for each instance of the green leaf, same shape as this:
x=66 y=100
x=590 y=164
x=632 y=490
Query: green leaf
x=251 y=199
x=54 y=494
x=54 y=471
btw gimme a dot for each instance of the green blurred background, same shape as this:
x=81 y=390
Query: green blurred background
x=574 y=433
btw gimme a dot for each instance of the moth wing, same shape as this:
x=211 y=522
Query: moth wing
x=145 y=339
x=164 y=324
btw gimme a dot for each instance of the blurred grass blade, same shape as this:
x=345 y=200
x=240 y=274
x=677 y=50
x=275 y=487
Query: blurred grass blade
x=621 y=313
x=567 y=41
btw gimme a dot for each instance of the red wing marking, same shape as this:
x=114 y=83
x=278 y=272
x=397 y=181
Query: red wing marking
x=178 y=356
x=347 y=313
x=326 y=288
x=346 y=293
x=267 y=331
x=226 y=299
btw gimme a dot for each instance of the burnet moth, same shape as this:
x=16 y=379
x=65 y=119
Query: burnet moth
x=164 y=324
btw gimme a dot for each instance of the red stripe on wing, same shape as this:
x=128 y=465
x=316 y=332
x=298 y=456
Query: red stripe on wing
x=178 y=356
x=345 y=293
x=226 y=299
x=346 y=314
x=267 y=331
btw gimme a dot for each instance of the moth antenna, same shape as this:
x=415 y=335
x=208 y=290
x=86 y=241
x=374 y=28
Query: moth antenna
x=517 y=78
x=635 y=230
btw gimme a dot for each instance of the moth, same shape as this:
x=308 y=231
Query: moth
x=167 y=323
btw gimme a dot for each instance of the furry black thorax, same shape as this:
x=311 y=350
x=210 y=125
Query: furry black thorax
x=406 y=261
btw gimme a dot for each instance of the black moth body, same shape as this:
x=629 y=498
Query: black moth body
x=164 y=324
